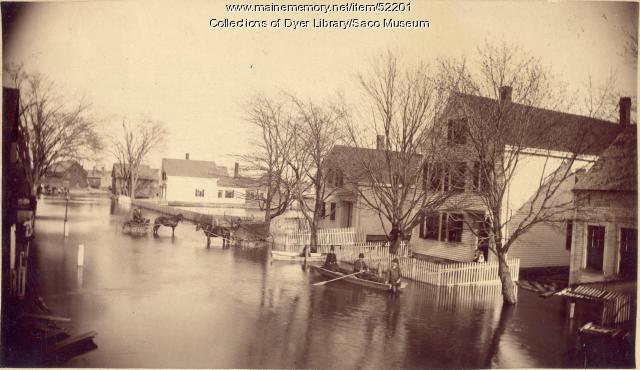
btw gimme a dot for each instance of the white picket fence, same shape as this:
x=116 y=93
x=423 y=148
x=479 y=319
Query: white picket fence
x=334 y=236
x=376 y=255
x=449 y=274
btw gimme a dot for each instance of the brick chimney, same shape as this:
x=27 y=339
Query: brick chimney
x=380 y=142
x=236 y=169
x=505 y=93
x=186 y=156
x=625 y=111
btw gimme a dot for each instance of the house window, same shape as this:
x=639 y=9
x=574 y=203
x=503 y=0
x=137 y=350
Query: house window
x=323 y=210
x=430 y=227
x=456 y=131
x=454 y=227
x=199 y=193
x=330 y=177
x=432 y=176
x=332 y=216
x=595 y=247
x=569 y=235
x=339 y=178
x=250 y=195
x=457 y=174
x=481 y=175
x=228 y=194
x=445 y=227
x=219 y=193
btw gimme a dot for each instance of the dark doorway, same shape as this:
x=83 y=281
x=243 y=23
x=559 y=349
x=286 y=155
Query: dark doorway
x=348 y=214
x=595 y=247
x=628 y=252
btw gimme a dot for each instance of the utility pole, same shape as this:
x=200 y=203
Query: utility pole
x=66 y=207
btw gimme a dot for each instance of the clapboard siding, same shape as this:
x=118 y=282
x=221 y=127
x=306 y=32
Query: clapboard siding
x=542 y=246
x=463 y=252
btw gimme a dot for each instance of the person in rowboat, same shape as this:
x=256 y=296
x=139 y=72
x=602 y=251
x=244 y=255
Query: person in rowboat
x=360 y=265
x=331 y=262
x=395 y=276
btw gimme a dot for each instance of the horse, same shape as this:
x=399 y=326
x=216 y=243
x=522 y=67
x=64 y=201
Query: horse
x=210 y=230
x=169 y=221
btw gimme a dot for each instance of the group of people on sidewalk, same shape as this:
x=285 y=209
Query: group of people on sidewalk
x=361 y=270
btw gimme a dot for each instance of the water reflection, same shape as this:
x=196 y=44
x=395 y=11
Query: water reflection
x=171 y=302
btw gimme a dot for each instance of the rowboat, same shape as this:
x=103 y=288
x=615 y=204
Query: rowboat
x=353 y=279
x=294 y=256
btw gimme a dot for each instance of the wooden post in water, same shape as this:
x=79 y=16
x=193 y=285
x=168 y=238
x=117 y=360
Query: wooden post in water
x=81 y=255
x=66 y=226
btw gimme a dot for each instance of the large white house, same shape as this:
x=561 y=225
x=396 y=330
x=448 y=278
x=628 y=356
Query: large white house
x=196 y=182
x=444 y=234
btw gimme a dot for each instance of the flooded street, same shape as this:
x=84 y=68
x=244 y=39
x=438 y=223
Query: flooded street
x=168 y=302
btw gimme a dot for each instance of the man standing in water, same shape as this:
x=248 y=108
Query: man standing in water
x=395 y=276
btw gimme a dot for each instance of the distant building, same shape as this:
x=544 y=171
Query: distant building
x=66 y=174
x=147 y=185
x=203 y=182
x=604 y=225
x=99 y=179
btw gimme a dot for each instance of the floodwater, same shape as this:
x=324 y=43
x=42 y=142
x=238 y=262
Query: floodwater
x=166 y=302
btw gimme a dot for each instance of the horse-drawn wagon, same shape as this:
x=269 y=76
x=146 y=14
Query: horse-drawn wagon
x=136 y=227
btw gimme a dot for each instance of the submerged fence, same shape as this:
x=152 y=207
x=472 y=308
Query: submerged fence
x=377 y=256
x=334 y=236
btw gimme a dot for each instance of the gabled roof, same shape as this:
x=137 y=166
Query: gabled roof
x=144 y=172
x=546 y=129
x=358 y=164
x=236 y=182
x=62 y=166
x=192 y=168
x=616 y=169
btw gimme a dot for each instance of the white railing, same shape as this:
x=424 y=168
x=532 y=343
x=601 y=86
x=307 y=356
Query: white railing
x=336 y=236
x=376 y=255
x=445 y=274
x=455 y=273
x=373 y=251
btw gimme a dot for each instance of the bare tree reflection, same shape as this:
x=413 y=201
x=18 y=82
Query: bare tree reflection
x=505 y=315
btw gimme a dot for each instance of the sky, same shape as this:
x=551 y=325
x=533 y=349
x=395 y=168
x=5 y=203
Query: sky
x=161 y=60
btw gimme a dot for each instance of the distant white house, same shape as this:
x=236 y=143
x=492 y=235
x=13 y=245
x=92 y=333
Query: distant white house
x=202 y=183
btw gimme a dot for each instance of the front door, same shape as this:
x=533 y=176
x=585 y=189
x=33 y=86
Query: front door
x=595 y=247
x=628 y=252
x=348 y=214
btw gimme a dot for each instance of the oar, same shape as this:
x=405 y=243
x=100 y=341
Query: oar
x=341 y=277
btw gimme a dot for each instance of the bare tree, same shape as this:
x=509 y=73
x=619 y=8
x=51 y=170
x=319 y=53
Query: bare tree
x=270 y=160
x=390 y=180
x=131 y=149
x=502 y=131
x=52 y=129
x=600 y=100
x=631 y=46
x=316 y=129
